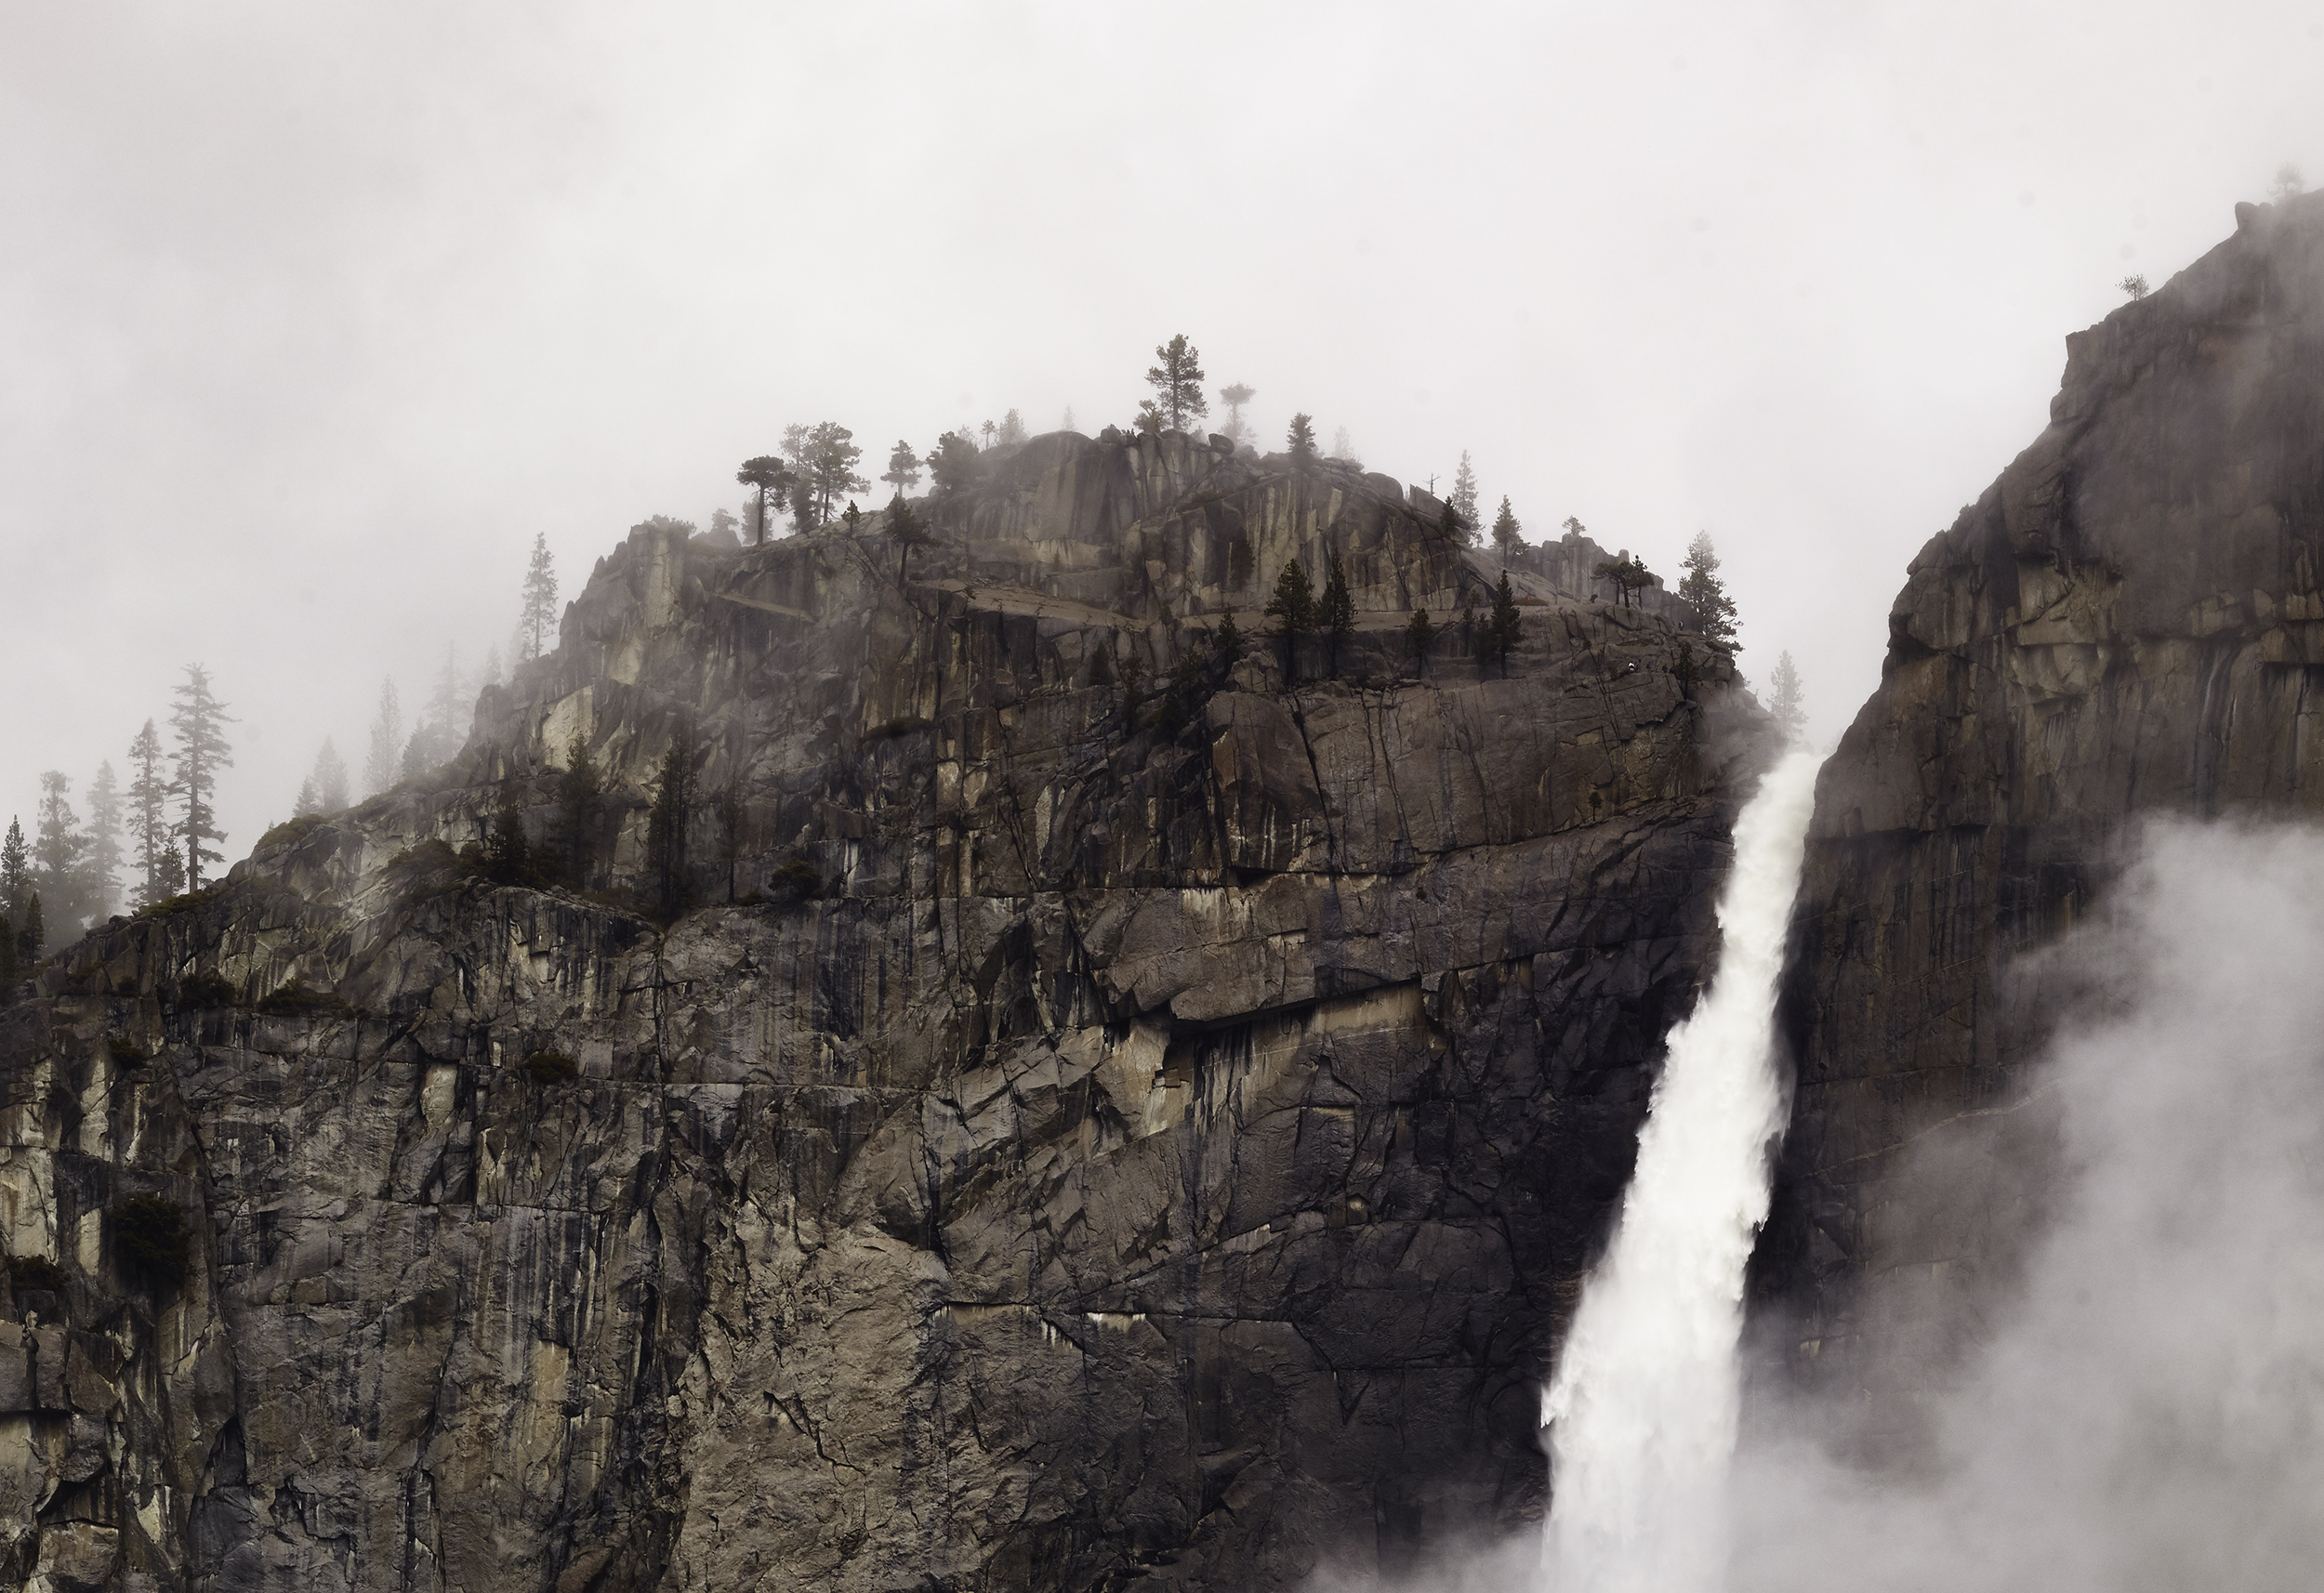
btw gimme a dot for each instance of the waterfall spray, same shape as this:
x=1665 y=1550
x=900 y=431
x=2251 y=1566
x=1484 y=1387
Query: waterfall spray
x=1642 y=1413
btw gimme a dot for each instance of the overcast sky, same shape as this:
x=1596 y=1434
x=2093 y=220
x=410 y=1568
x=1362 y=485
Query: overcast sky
x=312 y=316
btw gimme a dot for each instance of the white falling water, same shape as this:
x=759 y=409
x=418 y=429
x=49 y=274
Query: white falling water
x=1641 y=1412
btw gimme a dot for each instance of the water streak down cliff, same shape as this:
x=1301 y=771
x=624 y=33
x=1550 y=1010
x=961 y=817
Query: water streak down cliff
x=2131 y=620
x=1157 y=1155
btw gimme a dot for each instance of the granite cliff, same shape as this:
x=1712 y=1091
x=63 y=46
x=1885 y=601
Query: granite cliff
x=2129 y=623
x=1051 y=1154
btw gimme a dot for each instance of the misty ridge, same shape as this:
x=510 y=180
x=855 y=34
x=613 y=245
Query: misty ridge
x=144 y=847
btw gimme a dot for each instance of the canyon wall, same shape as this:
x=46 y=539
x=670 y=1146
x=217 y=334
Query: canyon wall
x=1049 y=1152
x=2129 y=623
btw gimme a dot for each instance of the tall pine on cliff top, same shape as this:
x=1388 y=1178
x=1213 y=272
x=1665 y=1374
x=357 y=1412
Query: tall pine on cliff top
x=380 y=767
x=197 y=724
x=1464 y=497
x=1301 y=441
x=150 y=847
x=1177 y=383
x=772 y=476
x=536 y=620
x=1703 y=588
x=1790 y=703
x=102 y=868
x=15 y=874
x=1507 y=533
x=59 y=850
x=904 y=469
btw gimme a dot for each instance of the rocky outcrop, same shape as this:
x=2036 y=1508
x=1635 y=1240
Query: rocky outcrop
x=1164 y=1152
x=2130 y=622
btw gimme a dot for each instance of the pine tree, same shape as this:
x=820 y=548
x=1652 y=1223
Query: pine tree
x=1789 y=706
x=824 y=456
x=330 y=778
x=507 y=855
x=1177 y=381
x=989 y=428
x=951 y=462
x=16 y=875
x=1228 y=646
x=1293 y=610
x=1707 y=594
x=148 y=823
x=904 y=469
x=1012 y=428
x=1502 y=628
x=1464 y=495
x=307 y=804
x=1452 y=529
x=1343 y=448
x=60 y=851
x=31 y=934
x=103 y=869
x=1337 y=616
x=774 y=479
x=580 y=791
x=1237 y=430
x=537 y=615
x=667 y=821
x=1067 y=422
x=907 y=530
x=1418 y=636
x=380 y=769
x=1506 y=530
x=1301 y=441
x=195 y=724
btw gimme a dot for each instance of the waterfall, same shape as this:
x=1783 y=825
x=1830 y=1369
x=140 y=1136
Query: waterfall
x=1641 y=1412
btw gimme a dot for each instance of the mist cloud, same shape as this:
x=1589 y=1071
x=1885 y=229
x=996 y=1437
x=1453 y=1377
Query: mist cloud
x=2146 y=1413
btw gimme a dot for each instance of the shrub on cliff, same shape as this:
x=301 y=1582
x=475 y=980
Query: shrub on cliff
x=36 y=1272
x=797 y=880
x=550 y=1067
x=207 y=989
x=295 y=1000
x=150 y=1240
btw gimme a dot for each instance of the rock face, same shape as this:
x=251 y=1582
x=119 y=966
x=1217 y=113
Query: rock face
x=1158 y=1153
x=2130 y=622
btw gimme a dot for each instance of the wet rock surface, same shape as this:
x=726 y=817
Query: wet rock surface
x=1154 y=1153
x=2129 y=623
